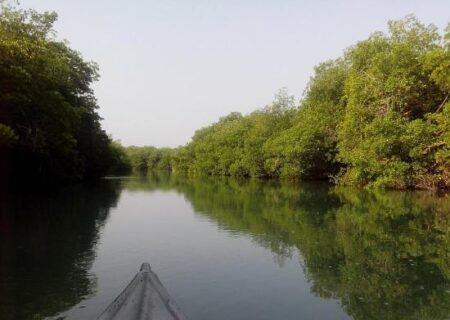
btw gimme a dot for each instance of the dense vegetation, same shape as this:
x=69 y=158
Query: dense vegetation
x=377 y=116
x=49 y=126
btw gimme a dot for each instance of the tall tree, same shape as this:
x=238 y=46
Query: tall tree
x=47 y=102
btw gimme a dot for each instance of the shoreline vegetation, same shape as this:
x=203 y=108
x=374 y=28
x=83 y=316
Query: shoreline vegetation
x=378 y=116
x=50 y=129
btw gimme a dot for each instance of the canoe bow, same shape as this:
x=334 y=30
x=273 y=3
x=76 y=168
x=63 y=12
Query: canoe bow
x=145 y=298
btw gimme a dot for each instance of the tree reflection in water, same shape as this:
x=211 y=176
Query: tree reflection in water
x=47 y=246
x=384 y=255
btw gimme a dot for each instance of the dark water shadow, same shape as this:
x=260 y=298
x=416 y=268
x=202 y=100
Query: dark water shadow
x=47 y=246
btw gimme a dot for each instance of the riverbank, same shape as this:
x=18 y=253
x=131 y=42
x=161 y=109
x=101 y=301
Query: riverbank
x=359 y=123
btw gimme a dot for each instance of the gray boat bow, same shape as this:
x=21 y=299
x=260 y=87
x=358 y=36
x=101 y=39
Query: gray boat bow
x=145 y=298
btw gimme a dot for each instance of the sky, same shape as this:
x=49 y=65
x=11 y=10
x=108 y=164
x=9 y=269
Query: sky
x=170 y=67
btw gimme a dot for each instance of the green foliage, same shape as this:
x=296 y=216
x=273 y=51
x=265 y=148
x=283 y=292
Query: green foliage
x=7 y=136
x=143 y=159
x=235 y=144
x=377 y=117
x=47 y=101
x=397 y=85
x=307 y=149
x=120 y=163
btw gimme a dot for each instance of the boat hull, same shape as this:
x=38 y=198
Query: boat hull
x=145 y=298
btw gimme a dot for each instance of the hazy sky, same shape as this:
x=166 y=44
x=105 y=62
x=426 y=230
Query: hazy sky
x=170 y=67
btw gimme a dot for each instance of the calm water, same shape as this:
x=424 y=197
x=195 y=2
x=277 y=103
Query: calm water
x=227 y=249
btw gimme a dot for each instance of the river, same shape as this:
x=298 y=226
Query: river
x=227 y=249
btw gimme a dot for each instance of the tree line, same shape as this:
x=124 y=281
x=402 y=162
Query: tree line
x=49 y=125
x=378 y=116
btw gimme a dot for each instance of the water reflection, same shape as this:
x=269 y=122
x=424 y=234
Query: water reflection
x=384 y=255
x=396 y=248
x=47 y=245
